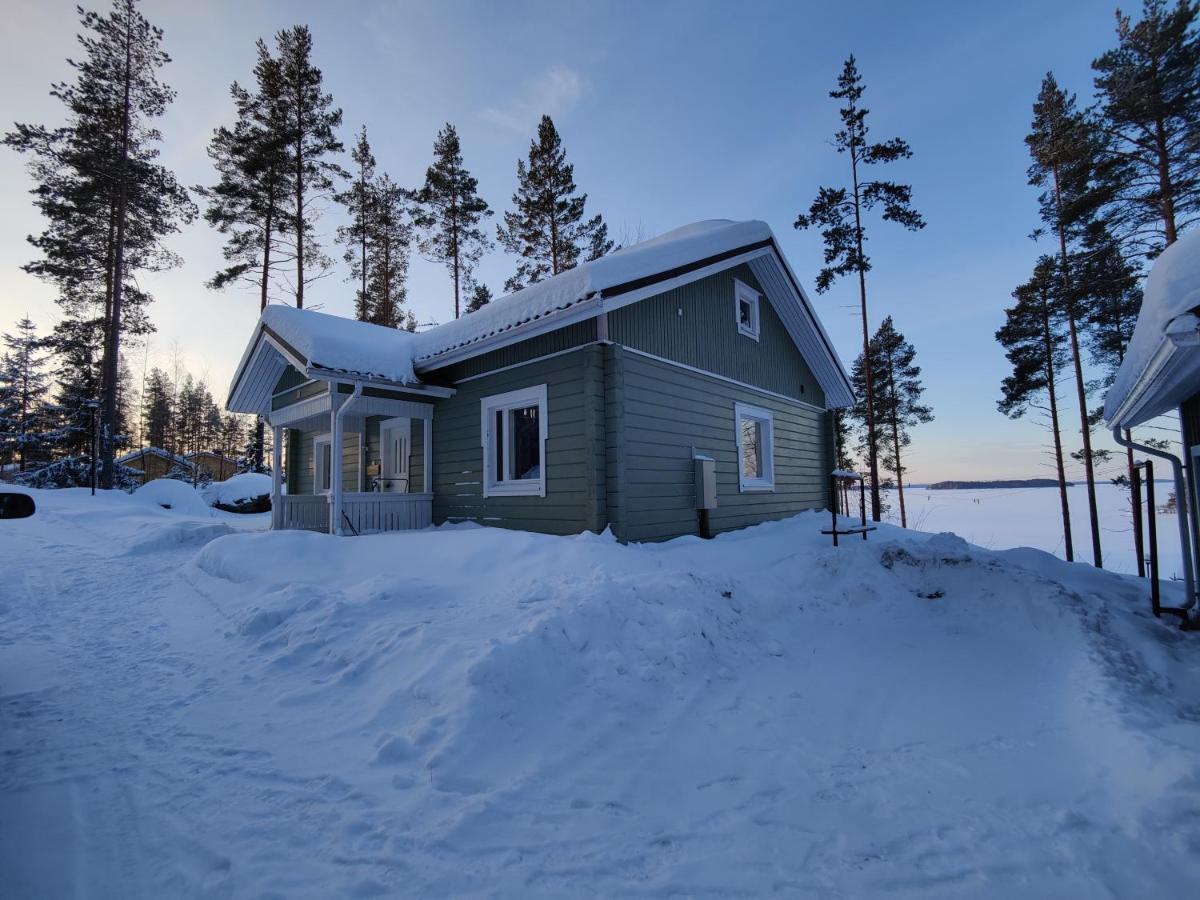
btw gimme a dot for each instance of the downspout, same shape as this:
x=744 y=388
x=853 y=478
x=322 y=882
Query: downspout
x=1181 y=505
x=339 y=433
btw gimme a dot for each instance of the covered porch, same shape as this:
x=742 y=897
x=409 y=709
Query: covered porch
x=359 y=445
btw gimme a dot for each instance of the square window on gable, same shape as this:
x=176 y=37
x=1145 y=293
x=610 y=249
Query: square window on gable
x=745 y=308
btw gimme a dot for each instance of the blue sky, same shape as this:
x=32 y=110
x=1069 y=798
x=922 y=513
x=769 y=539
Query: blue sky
x=671 y=112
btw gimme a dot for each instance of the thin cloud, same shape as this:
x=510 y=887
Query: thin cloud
x=554 y=92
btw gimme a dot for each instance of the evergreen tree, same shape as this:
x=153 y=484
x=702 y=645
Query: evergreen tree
x=390 y=236
x=24 y=385
x=359 y=200
x=838 y=212
x=1149 y=110
x=1064 y=149
x=309 y=123
x=547 y=229
x=254 y=182
x=1036 y=347
x=158 y=411
x=107 y=202
x=841 y=441
x=450 y=212
x=481 y=296
x=898 y=393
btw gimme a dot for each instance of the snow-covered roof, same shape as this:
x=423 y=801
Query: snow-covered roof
x=343 y=346
x=321 y=345
x=1161 y=367
x=683 y=246
x=134 y=455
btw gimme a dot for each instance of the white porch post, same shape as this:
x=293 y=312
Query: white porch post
x=335 y=466
x=276 y=476
x=427 y=426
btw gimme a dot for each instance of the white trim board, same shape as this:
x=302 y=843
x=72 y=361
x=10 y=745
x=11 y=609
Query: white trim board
x=750 y=387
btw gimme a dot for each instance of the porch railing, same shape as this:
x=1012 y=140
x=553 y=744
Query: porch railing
x=366 y=512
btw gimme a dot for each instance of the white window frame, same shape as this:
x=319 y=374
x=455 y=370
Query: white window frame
x=318 y=440
x=489 y=406
x=743 y=292
x=766 y=420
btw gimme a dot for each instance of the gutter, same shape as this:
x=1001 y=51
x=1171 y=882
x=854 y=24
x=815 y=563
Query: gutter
x=1181 y=505
x=335 y=494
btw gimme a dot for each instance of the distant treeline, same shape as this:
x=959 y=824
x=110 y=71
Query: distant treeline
x=987 y=485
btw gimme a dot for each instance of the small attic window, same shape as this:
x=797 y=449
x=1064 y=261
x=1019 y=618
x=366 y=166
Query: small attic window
x=745 y=309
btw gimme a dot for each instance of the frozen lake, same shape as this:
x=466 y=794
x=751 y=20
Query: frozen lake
x=1030 y=517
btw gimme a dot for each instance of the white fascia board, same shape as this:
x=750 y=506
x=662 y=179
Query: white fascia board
x=1174 y=361
x=576 y=312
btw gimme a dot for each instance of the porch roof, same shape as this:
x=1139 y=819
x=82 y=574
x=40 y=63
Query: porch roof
x=323 y=348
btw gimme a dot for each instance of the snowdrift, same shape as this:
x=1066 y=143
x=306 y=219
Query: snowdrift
x=520 y=713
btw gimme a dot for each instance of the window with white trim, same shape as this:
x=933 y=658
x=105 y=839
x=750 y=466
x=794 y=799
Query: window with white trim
x=322 y=463
x=756 y=448
x=745 y=308
x=513 y=427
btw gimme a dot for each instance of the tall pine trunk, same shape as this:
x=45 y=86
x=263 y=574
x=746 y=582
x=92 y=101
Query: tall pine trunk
x=1080 y=389
x=457 y=276
x=896 y=440
x=872 y=448
x=260 y=430
x=1164 y=181
x=112 y=343
x=1052 y=389
x=300 y=189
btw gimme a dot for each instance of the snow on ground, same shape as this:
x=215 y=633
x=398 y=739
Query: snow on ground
x=999 y=518
x=238 y=488
x=189 y=708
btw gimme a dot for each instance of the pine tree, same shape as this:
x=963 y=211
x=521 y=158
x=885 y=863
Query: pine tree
x=106 y=200
x=359 y=200
x=898 y=392
x=158 y=411
x=841 y=441
x=450 y=212
x=254 y=181
x=24 y=385
x=1036 y=348
x=481 y=296
x=1149 y=110
x=547 y=229
x=309 y=124
x=389 y=235
x=838 y=212
x=1063 y=148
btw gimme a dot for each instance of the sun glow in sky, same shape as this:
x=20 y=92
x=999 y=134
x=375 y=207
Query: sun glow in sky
x=671 y=112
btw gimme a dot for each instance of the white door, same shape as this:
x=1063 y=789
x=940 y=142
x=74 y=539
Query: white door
x=395 y=436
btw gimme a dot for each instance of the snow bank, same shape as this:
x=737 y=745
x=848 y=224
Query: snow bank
x=555 y=715
x=1172 y=290
x=238 y=489
x=168 y=493
x=345 y=346
x=688 y=244
x=465 y=711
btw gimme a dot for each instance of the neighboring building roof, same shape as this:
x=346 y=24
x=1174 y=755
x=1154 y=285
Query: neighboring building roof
x=319 y=344
x=212 y=453
x=1161 y=367
x=134 y=455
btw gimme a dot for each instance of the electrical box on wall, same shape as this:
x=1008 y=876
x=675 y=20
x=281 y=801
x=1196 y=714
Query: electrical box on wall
x=706 y=481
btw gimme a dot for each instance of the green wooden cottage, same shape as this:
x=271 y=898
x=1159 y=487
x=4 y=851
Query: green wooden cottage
x=578 y=404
